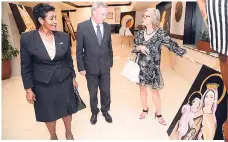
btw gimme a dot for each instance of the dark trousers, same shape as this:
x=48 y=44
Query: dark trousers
x=224 y=71
x=103 y=82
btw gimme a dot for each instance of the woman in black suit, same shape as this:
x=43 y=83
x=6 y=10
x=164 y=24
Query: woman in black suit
x=47 y=71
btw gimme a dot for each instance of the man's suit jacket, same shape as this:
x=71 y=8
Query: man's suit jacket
x=36 y=64
x=91 y=56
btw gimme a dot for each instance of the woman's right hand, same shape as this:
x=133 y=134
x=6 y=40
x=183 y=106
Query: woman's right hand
x=30 y=96
x=143 y=49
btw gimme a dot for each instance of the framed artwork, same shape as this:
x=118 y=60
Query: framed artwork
x=127 y=23
x=109 y=15
x=165 y=10
x=23 y=17
x=69 y=26
x=203 y=111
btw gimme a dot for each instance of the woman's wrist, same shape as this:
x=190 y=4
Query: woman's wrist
x=28 y=90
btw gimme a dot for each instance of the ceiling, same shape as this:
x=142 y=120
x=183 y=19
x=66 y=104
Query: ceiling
x=140 y=5
x=137 y=6
x=108 y=3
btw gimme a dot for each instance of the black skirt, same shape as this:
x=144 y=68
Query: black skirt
x=54 y=100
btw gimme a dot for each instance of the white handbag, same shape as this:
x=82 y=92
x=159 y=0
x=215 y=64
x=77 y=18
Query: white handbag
x=131 y=70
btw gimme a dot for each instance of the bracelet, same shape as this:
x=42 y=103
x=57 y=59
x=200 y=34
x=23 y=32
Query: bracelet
x=29 y=91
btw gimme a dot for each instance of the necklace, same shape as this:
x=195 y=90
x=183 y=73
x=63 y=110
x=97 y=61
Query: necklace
x=150 y=33
x=45 y=34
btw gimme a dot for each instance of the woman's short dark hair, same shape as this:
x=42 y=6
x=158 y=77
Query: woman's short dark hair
x=40 y=10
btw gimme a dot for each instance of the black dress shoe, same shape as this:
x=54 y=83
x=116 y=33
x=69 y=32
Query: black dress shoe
x=93 y=119
x=107 y=117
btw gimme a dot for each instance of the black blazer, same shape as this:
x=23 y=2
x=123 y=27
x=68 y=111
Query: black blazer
x=91 y=56
x=36 y=65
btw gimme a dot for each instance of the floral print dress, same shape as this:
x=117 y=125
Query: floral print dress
x=150 y=74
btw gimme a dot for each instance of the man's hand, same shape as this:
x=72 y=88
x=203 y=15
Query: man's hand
x=83 y=73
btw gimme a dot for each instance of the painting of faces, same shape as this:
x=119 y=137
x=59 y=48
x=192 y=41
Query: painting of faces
x=203 y=111
x=23 y=17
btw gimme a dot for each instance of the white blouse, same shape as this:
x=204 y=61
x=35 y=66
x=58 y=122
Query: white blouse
x=51 y=49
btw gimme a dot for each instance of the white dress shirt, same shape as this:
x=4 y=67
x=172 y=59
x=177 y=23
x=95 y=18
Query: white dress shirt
x=95 y=27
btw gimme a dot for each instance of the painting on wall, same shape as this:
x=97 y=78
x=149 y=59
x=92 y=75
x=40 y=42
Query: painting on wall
x=109 y=15
x=203 y=111
x=68 y=26
x=24 y=18
x=127 y=23
x=165 y=12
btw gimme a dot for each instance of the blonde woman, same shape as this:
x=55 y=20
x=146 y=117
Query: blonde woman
x=148 y=44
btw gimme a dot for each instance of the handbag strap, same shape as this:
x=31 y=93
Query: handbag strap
x=137 y=56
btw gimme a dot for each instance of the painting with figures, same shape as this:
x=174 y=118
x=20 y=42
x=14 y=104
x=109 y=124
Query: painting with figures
x=23 y=17
x=203 y=111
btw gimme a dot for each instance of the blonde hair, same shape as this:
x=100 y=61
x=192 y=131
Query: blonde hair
x=155 y=16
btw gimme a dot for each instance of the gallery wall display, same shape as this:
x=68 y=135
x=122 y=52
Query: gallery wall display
x=203 y=111
x=24 y=18
x=127 y=20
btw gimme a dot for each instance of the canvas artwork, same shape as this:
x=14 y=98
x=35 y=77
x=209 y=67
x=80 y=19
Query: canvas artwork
x=23 y=17
x=203 y=111
x=127 y=23
x=165 y=11
x=109 y=15
x=69 y=26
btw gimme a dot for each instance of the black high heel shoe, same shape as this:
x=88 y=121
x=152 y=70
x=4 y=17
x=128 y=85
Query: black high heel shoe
x=160 y=116
x=145 y=115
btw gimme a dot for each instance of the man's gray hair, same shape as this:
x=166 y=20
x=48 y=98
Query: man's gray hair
x=98 y=4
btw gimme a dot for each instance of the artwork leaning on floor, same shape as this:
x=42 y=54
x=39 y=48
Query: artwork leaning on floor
x=24 y=18
x=127 y=20
x=203 y=111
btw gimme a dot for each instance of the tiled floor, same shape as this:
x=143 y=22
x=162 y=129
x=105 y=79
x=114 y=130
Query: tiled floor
x=18 y=120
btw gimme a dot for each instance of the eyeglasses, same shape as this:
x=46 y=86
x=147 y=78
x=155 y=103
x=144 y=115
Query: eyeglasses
x=145 y=16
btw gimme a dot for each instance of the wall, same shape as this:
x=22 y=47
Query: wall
x=111 y=21
x=128 y=8
x=177 y=27
x=138 y=18
x=14 y=39
x=76 y=17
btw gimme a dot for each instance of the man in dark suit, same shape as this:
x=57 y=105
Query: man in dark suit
x=95 y=58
